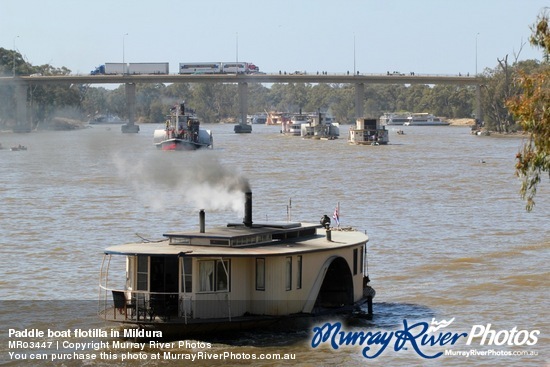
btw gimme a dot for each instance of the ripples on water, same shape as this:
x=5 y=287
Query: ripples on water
x=449 y=236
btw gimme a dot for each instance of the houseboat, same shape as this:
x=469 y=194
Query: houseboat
x=368 y=132
x=320 y=128
x=242 y=276
x=394 y=119
x=425 y=119
x=182 y=132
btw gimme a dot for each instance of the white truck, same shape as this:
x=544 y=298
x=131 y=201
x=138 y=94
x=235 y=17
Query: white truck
x=217 y=68
x=110 y=68
x=116 y=68
x=148 y=68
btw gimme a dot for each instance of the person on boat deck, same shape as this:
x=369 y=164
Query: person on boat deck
x=325 y=221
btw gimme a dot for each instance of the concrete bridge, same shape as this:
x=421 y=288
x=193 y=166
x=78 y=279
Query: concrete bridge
x=22 y=83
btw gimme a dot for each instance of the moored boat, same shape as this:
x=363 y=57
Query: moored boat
x=368 y=132
x=394 y=118
x=425 y=119
x=182 y=132
x=245 y=275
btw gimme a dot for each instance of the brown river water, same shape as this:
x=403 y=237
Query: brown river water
x=449 y=238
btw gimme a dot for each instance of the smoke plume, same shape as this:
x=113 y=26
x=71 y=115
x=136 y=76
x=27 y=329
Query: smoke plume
x=191 y=178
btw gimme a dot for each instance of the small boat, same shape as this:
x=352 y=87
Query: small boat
x=241 y=128
x=182 y=132
x=258 y=118
x=425 y=119
x=18 y=147
x=240 y=276
x=368 y=132
x=129 y=128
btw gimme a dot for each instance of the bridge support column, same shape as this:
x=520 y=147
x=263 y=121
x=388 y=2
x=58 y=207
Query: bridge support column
x=22 y=124
x=359 y=96
x=243 y=102
x=130 y=127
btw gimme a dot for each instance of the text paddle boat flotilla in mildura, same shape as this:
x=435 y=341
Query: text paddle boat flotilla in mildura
x=182 y=132
x=240 y=276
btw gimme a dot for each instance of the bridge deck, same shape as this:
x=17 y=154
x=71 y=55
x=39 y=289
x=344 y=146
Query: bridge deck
x=246 y=78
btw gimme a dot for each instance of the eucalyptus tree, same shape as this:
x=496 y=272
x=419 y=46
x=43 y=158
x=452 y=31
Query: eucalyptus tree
x=343 y=106
x=95 y=102
x=116 y=102
x=531 y=108
x=416 y=98
x=177 y=92
x=52 y=100
x=148 y=95
x=319 y=97
x=203 y=102
x=258 y=98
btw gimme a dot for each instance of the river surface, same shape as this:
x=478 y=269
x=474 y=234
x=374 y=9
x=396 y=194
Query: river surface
x=449 y=235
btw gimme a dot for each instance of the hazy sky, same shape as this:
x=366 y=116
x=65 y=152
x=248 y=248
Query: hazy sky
x=424 y=36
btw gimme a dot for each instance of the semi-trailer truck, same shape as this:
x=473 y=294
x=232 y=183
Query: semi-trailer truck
x=114 y=68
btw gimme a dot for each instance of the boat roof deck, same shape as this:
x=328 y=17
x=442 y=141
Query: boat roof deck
x=313 y=243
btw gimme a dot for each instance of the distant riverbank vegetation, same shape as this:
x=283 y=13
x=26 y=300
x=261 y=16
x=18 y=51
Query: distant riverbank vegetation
x=215 y=103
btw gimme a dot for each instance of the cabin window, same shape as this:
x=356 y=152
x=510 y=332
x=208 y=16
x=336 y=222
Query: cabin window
x=214 y=275
x=355 y=261
x=299 y=275
x=260 y=274
x=288 y=272
x=142 y=273
x=187 y=271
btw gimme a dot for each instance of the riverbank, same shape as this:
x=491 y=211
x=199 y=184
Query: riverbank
x=57 y=123
x=462 y=122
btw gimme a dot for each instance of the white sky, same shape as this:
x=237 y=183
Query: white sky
x=424 y=36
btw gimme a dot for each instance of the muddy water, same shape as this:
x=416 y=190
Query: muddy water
x=449 y=236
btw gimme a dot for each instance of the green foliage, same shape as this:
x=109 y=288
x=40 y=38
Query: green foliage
x=532 y=109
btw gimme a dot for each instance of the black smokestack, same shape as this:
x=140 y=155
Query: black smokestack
x=247 y=221
x=201 y=221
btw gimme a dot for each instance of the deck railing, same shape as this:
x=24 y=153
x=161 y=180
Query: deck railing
x=143 y=306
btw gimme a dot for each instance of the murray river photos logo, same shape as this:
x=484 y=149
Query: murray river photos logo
x=420 y=337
